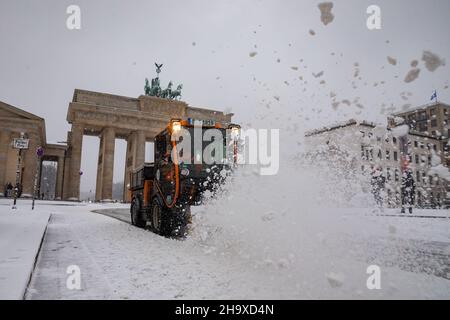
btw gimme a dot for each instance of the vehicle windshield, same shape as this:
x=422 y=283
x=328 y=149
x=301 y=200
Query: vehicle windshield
x=207 y=146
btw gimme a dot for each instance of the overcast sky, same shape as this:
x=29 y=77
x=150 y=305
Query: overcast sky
x=207 y=46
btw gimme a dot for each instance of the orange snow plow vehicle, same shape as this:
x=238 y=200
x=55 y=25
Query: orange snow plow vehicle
x=190 y=157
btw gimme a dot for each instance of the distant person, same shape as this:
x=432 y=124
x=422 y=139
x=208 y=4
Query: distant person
x=378 y=182
x=8 y=190
x=408 y=189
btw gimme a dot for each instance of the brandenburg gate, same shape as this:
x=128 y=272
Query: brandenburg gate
x=109 y=117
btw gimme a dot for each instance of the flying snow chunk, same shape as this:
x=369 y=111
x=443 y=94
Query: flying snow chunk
x=294 y=68
x=268 y=216
x=252 y=54
x=440 y=170
x=392 y=61
x=318 y=75
x=312 y=32
x=326 y=16
x=414 y=63
x=432 y=61
x=335 y=280
x=412 y=75
x=400 y=131
x=399 y=120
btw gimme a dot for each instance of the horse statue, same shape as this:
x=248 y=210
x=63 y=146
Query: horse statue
x=155 y=88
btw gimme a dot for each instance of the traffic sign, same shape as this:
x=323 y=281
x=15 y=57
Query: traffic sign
x=20 y=143
x=40 y=152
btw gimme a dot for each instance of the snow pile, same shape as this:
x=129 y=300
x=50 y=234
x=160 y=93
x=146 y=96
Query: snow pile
x=307 y=229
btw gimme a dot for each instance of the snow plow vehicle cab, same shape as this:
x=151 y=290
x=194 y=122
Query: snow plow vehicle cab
x=190 y=157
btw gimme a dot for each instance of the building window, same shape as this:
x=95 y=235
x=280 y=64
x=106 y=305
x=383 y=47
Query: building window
x=417 y=176
x=422 y=116
x=416 y=144
x=380 y=155
x=429 y=160
x=395 y=156
x=388 y=155
x=416 y=157
x=434 y=123
x=394 y=140
x=396 y=175
x=423 y=127
x=434 y=147
x=362 y=153
x=388 y=174
x=432 y=112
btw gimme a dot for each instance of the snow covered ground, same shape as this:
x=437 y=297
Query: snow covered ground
x=219 y=260
x=119 y=261
x=21 y=232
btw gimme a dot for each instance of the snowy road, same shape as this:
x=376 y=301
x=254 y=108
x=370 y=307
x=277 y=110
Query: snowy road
x=434 y=256
x=119 y=261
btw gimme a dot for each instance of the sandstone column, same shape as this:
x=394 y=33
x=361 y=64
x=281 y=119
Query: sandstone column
x=109 y=141
x=76 y=144
x=5 y=143
x=139 y=156
x=30 y=160
x=59 y=179
x=98 y=185
x=128 y=167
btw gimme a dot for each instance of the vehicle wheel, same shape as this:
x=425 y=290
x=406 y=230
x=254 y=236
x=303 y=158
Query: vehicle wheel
x=136 y=217
x=157 y=217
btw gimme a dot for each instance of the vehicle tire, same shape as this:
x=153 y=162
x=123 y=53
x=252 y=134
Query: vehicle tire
x=168 y=222
x=157 y=217
x=136 y=216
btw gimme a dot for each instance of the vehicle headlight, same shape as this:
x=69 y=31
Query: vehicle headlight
x=176 y=126
x=235 y=131
x=184 y=172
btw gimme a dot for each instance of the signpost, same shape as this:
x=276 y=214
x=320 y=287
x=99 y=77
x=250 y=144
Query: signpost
x=39 y=154
x=19 y=144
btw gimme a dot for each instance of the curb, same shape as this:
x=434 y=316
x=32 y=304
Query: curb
x=36 y=259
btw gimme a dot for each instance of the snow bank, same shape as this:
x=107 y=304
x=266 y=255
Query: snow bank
x=21 y=233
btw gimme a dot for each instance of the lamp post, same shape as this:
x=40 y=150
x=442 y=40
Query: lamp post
x=20 y=144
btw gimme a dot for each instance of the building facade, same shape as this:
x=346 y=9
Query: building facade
x=370 y=145
x=432 y=120
x=17 y=123
x=106 y=116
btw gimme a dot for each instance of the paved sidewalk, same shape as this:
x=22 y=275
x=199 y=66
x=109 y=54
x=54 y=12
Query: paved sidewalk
x=21 y=233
